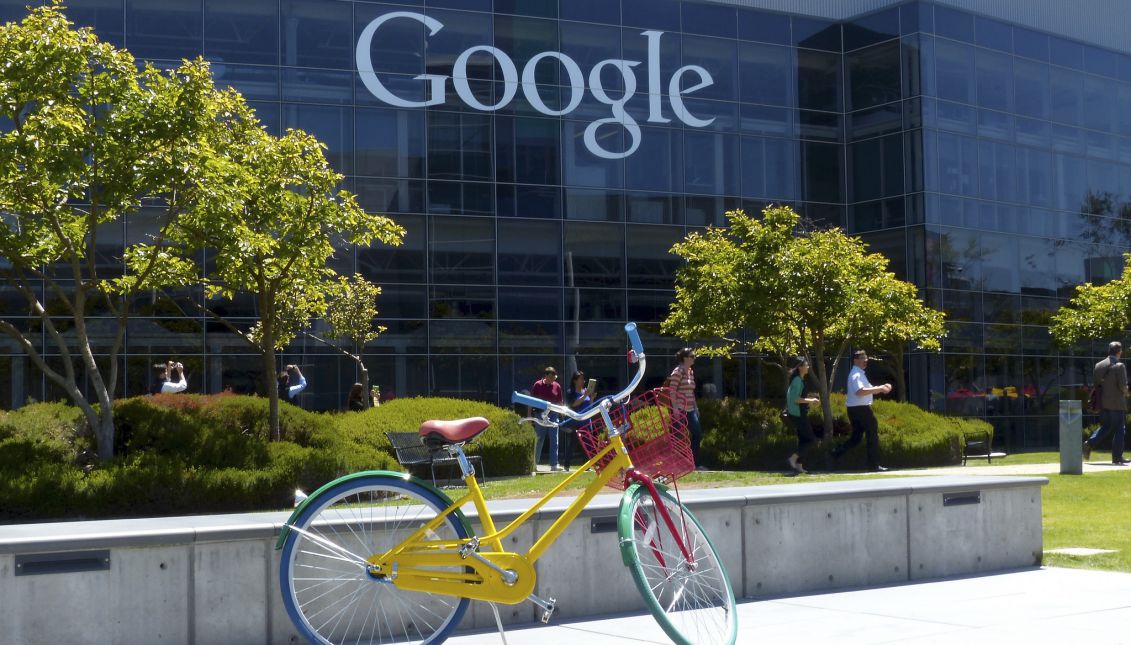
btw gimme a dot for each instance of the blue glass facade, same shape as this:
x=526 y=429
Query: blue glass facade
x=544 y=155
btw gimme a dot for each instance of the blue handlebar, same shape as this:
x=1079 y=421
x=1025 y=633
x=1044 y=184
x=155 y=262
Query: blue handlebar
x=518 y=397
x=634 y=338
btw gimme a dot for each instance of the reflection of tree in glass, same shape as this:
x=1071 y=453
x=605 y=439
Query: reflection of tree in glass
x=1104 y=220
x=961 y=257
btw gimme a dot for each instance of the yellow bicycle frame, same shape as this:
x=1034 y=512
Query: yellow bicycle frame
x=447 y=566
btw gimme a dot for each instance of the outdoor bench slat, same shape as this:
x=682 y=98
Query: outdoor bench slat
x=410 y=451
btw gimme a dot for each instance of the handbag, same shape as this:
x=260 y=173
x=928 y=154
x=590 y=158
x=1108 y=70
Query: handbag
x=1095 y=398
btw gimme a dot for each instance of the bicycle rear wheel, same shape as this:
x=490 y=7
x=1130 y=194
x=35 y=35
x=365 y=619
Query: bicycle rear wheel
x=329 y=594
x=691 y=599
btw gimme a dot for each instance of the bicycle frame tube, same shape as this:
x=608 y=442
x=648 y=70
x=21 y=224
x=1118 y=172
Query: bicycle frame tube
x=493 y=537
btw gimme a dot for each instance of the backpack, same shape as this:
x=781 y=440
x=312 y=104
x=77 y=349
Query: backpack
x=1095 y=398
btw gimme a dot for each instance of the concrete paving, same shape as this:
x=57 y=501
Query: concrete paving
x=1040 y=605
x=1003 y=467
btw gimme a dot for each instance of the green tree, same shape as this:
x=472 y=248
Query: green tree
x=349 y=316
x=812 y=293
x=86 y=137
x=273 y=233
x=893 y=318
x=1095 y=311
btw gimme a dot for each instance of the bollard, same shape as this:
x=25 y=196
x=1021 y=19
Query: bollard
x=1071 y=441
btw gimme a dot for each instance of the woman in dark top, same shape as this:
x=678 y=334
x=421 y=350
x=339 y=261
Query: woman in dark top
x=578 y=399
x=797 y=408
x=356 y=401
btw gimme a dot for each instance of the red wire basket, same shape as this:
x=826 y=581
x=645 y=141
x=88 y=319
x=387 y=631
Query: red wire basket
x=657 y=438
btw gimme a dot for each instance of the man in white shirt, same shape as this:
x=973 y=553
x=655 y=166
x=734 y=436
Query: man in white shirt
x=174 y=379
x=858 y=398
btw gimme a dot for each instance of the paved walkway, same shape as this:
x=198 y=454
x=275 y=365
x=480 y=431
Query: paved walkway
x=1005 y=468
x=1047 y=605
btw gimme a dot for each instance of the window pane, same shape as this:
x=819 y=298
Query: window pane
x=994 y=73
x=650 y=264
x=404 y=263
x=462 y=250
x=954 y=71
x=818 y=81
x=390 y=143
x=318 y=34
x=530 y=252
x=765 y=74
x=594 y=254
x=526 y=303
x=168 y=29
x=873 y=76
x=243 y=32
x=332 y=125
x=462 y=302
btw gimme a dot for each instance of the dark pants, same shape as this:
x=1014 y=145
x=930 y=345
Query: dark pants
x=566 y=440
x=696 y=432
x=863 y=423
x=804 y=432
x=1111 y=421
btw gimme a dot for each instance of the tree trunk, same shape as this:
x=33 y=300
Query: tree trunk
x=823 y=388
x=897 y=357
x=364 y=371
x=270 y=382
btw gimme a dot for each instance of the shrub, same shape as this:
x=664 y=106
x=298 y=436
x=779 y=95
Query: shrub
x=48 y=431
x=506 y=447
x=753 y=435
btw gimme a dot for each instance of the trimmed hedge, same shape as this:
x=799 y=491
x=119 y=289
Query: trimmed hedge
x=185 y=453
x=753 y=435
x=507 y=448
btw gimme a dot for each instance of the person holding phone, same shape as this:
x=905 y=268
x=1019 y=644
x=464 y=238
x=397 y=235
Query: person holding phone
x=579 y=397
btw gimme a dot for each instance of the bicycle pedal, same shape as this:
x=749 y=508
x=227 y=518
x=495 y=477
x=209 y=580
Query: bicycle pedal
x=549 y=611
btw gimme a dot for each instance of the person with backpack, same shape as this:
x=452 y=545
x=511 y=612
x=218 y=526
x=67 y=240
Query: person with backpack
x=1110 y=375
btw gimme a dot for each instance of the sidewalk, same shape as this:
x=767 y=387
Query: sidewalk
x=1093 y=466
x=1047 y=605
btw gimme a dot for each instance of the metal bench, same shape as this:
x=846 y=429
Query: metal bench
x=410 y=452
x=978 y=444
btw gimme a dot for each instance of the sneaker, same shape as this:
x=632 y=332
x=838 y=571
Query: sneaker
x=1087 y=450
x=800 y=469
x=556 y=469
x=1121 y=462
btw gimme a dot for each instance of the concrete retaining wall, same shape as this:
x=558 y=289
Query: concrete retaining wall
x=214 y=579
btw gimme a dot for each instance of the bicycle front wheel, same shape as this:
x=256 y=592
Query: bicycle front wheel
x=692 y=599
x=331 y=596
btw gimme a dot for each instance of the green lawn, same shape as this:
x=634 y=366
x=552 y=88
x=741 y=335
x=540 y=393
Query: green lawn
x=1093 y=510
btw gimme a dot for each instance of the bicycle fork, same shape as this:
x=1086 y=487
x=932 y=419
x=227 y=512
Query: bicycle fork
x=677 y=532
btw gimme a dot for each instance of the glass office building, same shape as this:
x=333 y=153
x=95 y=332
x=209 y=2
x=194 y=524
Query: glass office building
x=544 y=155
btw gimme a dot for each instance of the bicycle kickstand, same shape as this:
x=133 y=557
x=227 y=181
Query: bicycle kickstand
x=498 y=621
x=548 y=605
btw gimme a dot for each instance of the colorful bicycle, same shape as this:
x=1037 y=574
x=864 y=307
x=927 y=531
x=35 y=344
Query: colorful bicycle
x=383 y=557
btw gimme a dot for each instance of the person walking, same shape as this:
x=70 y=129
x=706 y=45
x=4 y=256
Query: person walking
x=797 y=409
x=1111 y=375
x=858 y=398
x=547 y=388
x=682 y=384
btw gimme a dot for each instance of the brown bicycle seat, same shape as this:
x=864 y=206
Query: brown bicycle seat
x=454 y=431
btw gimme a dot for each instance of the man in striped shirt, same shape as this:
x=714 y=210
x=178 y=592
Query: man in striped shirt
x=682 y=383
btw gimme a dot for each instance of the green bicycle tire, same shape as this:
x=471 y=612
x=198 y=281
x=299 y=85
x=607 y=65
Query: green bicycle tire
x=694 y=607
